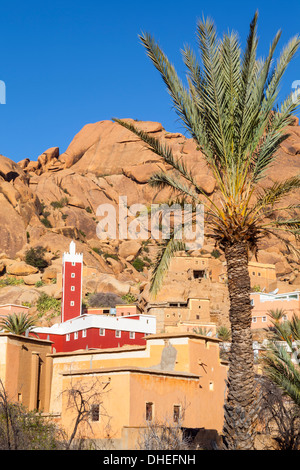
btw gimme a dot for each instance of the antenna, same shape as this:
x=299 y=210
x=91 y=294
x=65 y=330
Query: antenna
x=274 y=292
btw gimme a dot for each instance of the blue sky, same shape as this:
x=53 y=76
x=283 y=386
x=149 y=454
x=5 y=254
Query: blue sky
x=69 y=63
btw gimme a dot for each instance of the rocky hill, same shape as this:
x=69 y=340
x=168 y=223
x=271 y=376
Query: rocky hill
x=52 y=200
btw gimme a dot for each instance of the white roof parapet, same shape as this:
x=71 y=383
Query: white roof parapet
x=145 y=324
x=72 y=256
x=278 y=296
x=13 y=305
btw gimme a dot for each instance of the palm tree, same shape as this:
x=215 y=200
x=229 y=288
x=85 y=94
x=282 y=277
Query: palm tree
x=17 y=324
x=282 y=360
x=228 y=108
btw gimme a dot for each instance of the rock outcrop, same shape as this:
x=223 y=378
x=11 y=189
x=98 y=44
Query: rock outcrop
x=52 y=200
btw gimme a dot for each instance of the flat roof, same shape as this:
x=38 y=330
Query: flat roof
x=78 y=352
x=132 y=369
x=183 y=334
x=26 y=338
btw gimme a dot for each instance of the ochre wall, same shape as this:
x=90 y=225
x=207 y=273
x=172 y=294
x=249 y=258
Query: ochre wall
x=195 y=380
x=25 y=374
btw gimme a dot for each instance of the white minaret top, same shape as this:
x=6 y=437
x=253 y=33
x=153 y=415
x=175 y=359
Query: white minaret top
x=72 y=256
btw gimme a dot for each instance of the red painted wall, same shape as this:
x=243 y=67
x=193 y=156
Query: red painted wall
x=68 y=295
x=93 y=340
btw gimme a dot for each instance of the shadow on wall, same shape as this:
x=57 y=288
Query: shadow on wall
x=168 y=358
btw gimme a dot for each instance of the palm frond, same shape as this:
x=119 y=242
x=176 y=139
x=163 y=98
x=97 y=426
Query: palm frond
x=167 y=250
x=184 y=105
x=213 y=89
x=283 y=372
x=249 y=76
x=270 y=196
x=287 y=54
x=288 y=225
x=290 y=247
x=230 y=55
x=163 y=151
x=283 y=378
x=281 y=360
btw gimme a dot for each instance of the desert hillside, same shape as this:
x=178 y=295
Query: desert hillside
x=54 y=200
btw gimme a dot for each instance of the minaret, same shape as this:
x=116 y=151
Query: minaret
x=72 y=263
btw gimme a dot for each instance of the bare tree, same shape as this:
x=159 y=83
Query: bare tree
x=85 y=402
x=104 y=299
x=165 y=434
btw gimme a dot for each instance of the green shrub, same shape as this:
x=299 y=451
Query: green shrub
x=21 y=429
x=216 y=254
x=138 y=264
x=97 y=250
x=111 y=255
x=11 y=281
x=256 y=288
x=59 y=204
x=46 y=222
x=129 y=298
x=35 y=257
x=46 y=304
x=46 y=214
x=27 y=304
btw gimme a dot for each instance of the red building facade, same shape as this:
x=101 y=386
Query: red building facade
x=93 y=328
x=71 y=284
x=98 y=332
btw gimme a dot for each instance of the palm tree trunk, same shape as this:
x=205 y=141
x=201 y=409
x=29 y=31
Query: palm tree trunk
x=239 y=415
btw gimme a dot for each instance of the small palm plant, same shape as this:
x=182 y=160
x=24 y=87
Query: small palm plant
x=277 y=314
x=223 y=333
x=202 y=331
x=229 y=107
x=17 y=324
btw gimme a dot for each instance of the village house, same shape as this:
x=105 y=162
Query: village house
x=192 y=268
x=172 y=314
x=177 y=379
x=9 y=309
x=26 y=370
x=97 y=331
x=194 y=294
x=121 y=310
x=172 y=377
x=264 y=302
